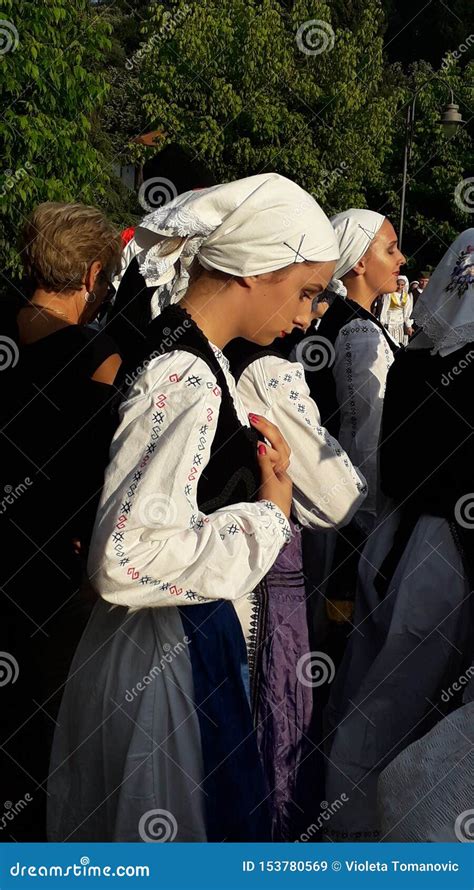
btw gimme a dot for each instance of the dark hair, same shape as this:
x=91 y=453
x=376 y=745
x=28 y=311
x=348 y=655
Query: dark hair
x=177 y=165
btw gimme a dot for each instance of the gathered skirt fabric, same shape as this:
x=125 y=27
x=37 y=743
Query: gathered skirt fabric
x=284 y=695
x=154 y=738
x=406 y=648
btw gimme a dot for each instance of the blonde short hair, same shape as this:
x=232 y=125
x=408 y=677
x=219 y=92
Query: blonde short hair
x=61 y=241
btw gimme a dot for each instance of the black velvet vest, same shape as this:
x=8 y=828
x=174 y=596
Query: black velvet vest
x=232 y=475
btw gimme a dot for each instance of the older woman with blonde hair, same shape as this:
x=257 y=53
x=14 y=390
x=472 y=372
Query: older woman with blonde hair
x=57 y=423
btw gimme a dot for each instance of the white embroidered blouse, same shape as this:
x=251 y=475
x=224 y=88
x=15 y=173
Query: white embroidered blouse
x=327 y=488
x=151 y=545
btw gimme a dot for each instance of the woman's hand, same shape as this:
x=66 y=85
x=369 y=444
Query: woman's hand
x=279 y=452
x=274 y=461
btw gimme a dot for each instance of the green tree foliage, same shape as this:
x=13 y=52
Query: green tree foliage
x=51 y=100
x=122 y=116
x=438 y=206
x=230 y=81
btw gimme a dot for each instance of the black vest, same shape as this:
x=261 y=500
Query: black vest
x=232 y=474
x=241 y=353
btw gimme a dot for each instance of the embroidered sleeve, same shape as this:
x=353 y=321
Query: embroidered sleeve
x=363 y=358
x=151 y=545
x=328 y=489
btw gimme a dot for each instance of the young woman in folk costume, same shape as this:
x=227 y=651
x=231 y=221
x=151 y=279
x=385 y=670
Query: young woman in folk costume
x=348 y=383
x=327 y=491
x=415 y=603
x=155 y=736
x=396 y=312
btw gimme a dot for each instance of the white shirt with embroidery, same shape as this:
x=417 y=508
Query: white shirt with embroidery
x=328 y=489
x=151 y=545
x=362 y=361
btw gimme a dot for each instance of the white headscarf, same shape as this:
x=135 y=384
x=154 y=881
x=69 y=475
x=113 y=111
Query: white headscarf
x=248 y=227
x=406 y=283
x=355 y=230
x=445 y=309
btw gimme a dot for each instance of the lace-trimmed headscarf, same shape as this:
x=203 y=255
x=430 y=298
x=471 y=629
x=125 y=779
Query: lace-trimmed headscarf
x=247 y=227
x=445 y=309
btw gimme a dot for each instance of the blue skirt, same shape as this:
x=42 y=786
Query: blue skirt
x=155 y=738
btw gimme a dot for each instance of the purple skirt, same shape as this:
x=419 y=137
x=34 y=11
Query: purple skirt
x=282 y=704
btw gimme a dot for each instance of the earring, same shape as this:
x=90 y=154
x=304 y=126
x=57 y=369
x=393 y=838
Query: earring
x=89 y=296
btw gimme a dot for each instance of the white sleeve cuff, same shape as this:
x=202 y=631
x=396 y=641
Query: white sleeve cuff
x=278 y=520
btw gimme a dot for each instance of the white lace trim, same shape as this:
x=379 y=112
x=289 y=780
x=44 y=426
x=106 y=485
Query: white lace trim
x=444 y=337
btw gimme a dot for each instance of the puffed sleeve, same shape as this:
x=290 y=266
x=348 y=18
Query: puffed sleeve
x=327 y=488
x=151 y=545
x=363 y=358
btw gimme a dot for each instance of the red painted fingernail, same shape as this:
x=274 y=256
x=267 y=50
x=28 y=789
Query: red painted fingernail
x=254 y=417
x=262 y=449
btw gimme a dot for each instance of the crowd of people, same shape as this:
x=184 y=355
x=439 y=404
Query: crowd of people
x=237 y=568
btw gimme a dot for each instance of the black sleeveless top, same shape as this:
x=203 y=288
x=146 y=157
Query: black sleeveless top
x=129 y=317
x=232 y=474
x=57 y=426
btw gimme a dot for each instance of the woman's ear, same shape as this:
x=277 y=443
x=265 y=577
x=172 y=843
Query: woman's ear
x=360 y=267
x=249 y=281
x=92 y=274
